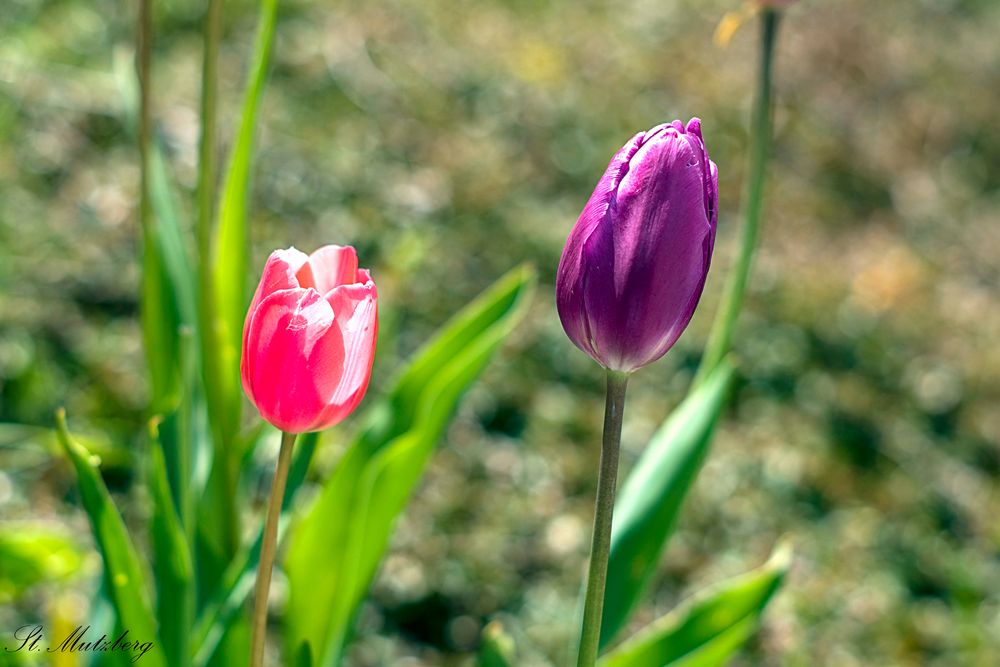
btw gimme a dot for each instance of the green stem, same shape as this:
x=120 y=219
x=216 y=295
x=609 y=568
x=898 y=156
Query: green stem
x=205 y=199
x=267 y=550
x=207 y=149
x=143 y=60
x=721 y=337
x=600 y=547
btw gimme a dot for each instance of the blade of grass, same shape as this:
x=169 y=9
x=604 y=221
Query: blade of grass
x=123 y=573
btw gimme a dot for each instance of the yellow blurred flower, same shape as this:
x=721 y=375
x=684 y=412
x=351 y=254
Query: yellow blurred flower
x=732 y=21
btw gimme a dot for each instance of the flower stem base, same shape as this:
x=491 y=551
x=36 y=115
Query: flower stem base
x=600 y=548
x=267 y=550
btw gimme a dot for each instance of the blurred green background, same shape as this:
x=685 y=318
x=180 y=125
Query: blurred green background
x=449 y=141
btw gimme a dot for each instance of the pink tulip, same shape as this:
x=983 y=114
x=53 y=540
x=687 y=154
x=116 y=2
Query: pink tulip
x=309 y=338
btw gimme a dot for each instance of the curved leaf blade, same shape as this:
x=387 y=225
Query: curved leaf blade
x=709 y=628
x=124 y=578
x=349 y=526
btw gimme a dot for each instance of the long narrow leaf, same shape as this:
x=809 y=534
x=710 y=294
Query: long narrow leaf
x=168 y=283
x=168 y=301
x=126 y=583
x=231 y=246
x=651 y=498
x=708 y=629
x=172 y=563
x=223 y=304
x=348 y=528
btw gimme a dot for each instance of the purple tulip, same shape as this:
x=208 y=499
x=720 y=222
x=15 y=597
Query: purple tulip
x=635 y=264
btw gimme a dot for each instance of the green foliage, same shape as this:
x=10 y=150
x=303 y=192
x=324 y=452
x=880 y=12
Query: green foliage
x=339 y=543
x=31 y=554
x=123 y=572
x=168 y=287
x=172 y=566
x=708 y=629
x=230 y=267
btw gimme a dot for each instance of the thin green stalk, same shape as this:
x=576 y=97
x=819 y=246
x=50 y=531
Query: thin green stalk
x=207 y=147
x=721 y=337
x=268 y=548
x=143 y=59
x=206 y=196
x=600 y=547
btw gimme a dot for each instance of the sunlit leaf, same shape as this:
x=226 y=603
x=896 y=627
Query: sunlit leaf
x=708 y=629
x=336 y=549
x=34 y=553
x=123 y=573
x=230 y=265
x=224 y=302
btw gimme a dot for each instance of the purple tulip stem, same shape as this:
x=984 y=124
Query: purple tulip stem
x=268 y=547
x=600 y=547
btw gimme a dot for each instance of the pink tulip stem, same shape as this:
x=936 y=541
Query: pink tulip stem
x=600 y=548
x=267 y=550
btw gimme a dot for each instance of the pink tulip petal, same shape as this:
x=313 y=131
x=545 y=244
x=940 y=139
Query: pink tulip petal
x=293 y=359
x=356 y=307
x=328 y=267
x=279 y=274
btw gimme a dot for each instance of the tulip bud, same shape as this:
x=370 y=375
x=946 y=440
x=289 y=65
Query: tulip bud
x=635 y=263
x=309 y=338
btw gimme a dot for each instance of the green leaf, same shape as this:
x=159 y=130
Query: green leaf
x=126 y=584
x=34 y=553
x=223 y=306
x=224 y=609
x=497 y=647
x=709 y=628
x=336 y=549
x=168 y=285
x=172 y=561
x=304 y=656
x=167 y=290
x=230 y=264
x=651 y=498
